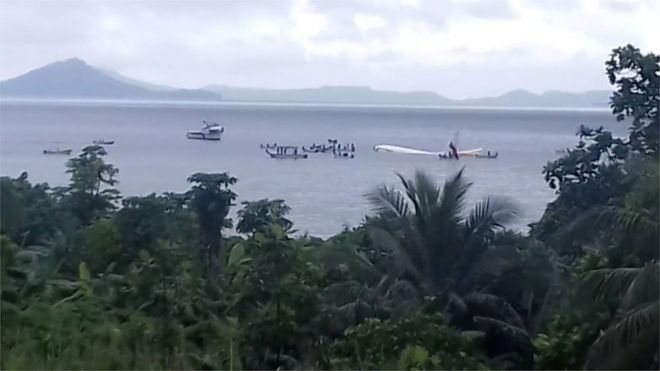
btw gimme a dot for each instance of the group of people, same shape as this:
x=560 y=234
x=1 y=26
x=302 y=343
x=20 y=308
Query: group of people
x=337 y=149
x=269 y=146
x=346 y=150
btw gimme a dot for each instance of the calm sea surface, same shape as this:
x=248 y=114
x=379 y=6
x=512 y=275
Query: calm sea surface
x=325 y=194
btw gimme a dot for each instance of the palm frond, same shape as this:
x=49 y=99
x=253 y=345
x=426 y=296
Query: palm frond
x=612 y=221
x=407 y=255
x=452 y=199
x=388 y=202
x=493 y=306
x=634 y=336
x=491 y=325
x=606 y=284
x=403 y=291
x=423 y=192
x=411 y=191
x=455 y=307
x=644 y=288
x=487 y=266
x=341 y=293
x=491 y=214
x=335 y=255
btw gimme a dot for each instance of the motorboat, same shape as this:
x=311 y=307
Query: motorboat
x=286 y=152
x=57 y=151
x=103 y=142
x=210 y=131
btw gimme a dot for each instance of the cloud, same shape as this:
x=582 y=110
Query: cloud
x=457 y=48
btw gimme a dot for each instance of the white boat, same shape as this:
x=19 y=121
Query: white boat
x=210 y=131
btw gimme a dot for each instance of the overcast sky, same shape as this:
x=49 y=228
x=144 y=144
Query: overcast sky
x=456 y=48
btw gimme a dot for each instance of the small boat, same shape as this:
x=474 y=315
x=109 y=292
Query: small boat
x=488 y=155
x=286 y=152
x=57 y=151
x=210 y=131
x=103 y=142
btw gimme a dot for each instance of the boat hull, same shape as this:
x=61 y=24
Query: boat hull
x=286 y=156
x=61 y=152
x=202 y=136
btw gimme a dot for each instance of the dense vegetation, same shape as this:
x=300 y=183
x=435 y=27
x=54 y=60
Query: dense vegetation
x=91 y=280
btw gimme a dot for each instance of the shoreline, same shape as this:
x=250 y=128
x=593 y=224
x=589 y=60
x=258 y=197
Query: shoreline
x=270 y=104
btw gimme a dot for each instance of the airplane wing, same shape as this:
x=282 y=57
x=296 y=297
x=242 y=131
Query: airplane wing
x=402 y=150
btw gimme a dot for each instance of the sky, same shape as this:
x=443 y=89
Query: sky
x=466 y=48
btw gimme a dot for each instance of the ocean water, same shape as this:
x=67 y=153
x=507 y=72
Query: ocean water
x=325 y=194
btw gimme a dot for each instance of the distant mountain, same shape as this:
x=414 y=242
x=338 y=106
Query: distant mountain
x=524 y=98
x=329 y=94
x=75 y=79
x=128 y=80
x=366 y=95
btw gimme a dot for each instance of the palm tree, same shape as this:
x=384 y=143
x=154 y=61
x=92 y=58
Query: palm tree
x=433 y=242
x=631 y=342
x=630 y=283
x=450 y=255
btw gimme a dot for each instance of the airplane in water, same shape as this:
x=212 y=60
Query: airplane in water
x=453 y=152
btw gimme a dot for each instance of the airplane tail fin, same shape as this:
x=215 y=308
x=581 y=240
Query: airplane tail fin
x=453 y=152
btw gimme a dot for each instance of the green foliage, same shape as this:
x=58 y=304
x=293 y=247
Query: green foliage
x=636 y=77
x=90 y=193
x=12 y=215
x=597 y=173
x=607 y=215
x=30 y=213
x=210 y=199
x=258 y=215
x=631 y=341
x=426 y=231
x=100 y=244
x=565 y=343
x=275 y=295
x=415 y=342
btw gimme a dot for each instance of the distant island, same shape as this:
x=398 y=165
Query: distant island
x=75 y=79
